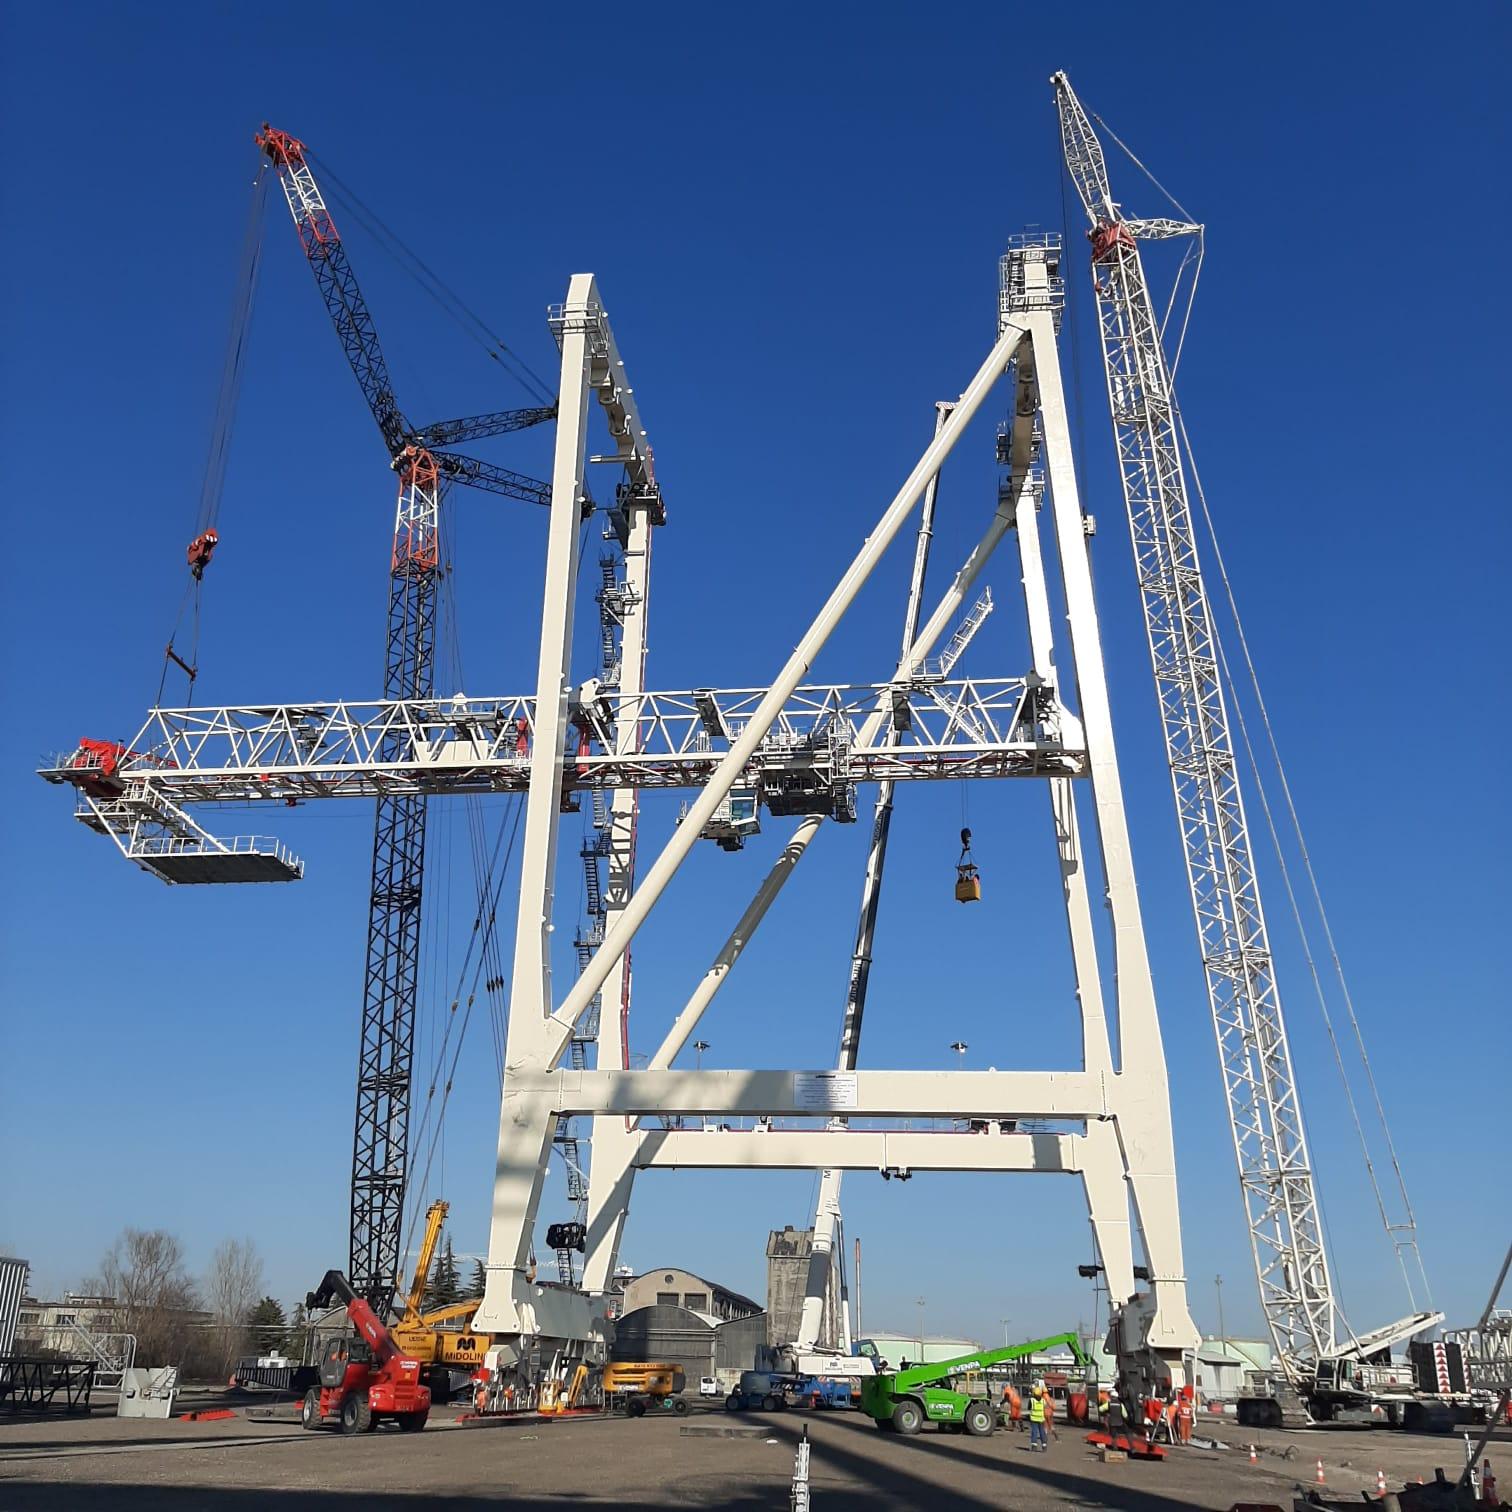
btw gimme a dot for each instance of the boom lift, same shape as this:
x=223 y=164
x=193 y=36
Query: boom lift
x=366 y=1379
x=952 y=1393
x=1319 y=1373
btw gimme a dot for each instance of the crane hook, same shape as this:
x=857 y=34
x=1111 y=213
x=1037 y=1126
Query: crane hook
x=968 y=888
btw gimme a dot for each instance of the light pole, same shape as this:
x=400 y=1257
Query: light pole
x=1222 y=1332
x=960 y=1047
x=919 y=1302
x=700 y=1046
x=1005 y=1322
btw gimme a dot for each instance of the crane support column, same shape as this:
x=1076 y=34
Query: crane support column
x=1144 y=1108
x=391 y=979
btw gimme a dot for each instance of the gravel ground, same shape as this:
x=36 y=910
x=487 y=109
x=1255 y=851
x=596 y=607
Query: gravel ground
x=662 y=1462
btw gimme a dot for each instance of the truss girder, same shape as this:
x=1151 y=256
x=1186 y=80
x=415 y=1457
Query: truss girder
x=964 y=728
x=390 y=986
x=1275 y=1171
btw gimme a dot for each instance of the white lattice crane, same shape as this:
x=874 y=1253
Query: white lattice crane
x=1270 y=1142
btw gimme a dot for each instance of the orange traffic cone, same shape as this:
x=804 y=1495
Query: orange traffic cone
x=1252 y=1454
x=1320 y=1472
x=1380 y=1483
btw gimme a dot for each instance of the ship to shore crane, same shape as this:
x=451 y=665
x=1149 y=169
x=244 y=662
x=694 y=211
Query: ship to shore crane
x=424 y=467
x=1276 y=1176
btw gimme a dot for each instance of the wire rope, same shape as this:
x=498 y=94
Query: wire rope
x=1392 y=1231
x=222 y=426
x=445 y=297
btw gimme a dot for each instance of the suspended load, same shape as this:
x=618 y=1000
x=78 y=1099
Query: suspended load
x=968 y=888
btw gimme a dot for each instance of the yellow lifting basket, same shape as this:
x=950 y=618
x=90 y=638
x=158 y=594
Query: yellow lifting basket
x=968 y=888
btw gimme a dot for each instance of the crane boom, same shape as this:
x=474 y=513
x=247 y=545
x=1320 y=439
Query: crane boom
x=391 y=978
x=1270 y=1144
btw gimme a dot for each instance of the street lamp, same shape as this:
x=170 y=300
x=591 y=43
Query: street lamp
x=1222 y=1332
x=919 y=1302
x=700 y=1046
x=1005 y=1322
x=961 y=1047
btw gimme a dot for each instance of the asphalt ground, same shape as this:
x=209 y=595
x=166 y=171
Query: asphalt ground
x=709 y=1459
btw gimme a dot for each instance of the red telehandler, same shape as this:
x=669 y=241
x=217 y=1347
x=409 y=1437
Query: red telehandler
x=364 y=1379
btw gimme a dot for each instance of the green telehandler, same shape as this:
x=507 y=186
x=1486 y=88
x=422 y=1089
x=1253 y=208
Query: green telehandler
x=952 y=1393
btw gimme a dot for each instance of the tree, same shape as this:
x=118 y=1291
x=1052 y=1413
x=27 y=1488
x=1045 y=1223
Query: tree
x=299 y=1335
x=267 y=1328
x=232 y=1287
x=143 y=1272
x=479 y=1279
x=445 y=1289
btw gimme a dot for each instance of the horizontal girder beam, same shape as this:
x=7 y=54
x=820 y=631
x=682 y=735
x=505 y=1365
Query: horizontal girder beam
x=813 y=1094
x=900 y=1151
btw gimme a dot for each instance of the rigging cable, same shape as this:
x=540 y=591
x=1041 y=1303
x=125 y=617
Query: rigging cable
x=212 y=485
x=444 y=296
x=1392 y=1230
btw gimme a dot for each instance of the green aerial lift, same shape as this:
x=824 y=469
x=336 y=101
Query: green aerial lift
x=951 y=1393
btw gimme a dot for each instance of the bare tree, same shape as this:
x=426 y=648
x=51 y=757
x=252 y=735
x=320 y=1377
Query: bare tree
x=232 y=1287
x=143 y=1271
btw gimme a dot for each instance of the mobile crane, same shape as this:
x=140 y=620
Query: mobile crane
x=952 y=1393
x=366 y=1379
x=423 y=1335
x=1325 y=1369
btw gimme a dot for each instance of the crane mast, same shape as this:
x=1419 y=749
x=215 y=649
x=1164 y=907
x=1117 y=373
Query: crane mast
x=1270 y=1144
x=380 y=1166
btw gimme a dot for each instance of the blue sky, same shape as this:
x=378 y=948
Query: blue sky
x=795 y=222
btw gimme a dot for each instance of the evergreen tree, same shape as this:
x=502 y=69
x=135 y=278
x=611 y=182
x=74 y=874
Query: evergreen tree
x=445 y=1287
x=479 y=1279
x=267 y=1327
x=299 y=1335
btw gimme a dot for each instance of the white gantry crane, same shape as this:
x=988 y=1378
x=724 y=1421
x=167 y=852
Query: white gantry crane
x=798 y=750
x=1270 y=1142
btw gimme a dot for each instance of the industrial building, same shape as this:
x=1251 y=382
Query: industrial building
x=672 y=1287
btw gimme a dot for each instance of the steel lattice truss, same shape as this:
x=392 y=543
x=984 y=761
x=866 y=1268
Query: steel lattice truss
x=999 y=727
x=1274 y=1169
x=391 y=975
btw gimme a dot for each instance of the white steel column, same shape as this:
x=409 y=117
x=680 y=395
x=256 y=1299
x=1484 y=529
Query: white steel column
x=526 y=1124
x=1143 y=1097
x=1096 y=1051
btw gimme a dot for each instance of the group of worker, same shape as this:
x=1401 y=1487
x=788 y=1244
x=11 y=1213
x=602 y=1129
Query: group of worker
x=1171 y=1416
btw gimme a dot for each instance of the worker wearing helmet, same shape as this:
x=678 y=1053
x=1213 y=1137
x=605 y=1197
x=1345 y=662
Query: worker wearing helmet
x=1037 y=1419
x=1184 y=1415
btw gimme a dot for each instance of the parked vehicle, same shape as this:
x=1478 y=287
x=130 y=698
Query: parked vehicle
x=708 y=1386
x=826 y=1391
x=758 y=1391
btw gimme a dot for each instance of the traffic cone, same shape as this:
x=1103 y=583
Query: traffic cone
x=1252 y=1454
x=1320 y=1472
x=1380 y=1483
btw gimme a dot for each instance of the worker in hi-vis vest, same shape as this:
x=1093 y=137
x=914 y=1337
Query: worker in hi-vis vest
x=1037 y=1419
